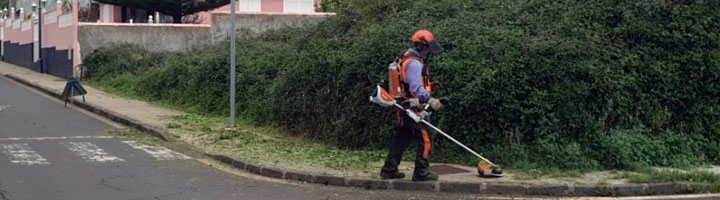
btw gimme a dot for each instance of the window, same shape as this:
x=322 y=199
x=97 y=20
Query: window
x=250 y=5
x=299 y=6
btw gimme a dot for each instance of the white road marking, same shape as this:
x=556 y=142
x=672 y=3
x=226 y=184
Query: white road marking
x=91 y=152
x=161 y=153
x=3 y=107
x=22 y=154
x=57 y=138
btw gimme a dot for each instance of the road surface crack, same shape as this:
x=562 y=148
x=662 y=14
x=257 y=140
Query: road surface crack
x=2 y=193
x=103 y=183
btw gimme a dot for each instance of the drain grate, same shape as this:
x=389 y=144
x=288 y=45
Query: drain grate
x=446 y=169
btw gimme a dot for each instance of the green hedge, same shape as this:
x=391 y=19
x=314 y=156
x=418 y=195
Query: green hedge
x=568 y=84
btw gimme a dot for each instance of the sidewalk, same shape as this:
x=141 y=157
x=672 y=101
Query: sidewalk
x=454 y=178
x=133 y=113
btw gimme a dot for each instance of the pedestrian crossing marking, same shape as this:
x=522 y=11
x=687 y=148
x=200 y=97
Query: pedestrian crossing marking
x=3 y=107
x=91 y=152
x=22 y=154
x=160 y=153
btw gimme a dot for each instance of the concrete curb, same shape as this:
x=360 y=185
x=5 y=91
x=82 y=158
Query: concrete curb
x=490 y=188
x=493 y=188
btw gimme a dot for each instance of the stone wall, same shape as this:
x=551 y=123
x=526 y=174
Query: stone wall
x=261 y=22
x=186 y=37
x=153 y=37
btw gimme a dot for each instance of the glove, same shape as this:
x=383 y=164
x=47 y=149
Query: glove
x=435 y=104
x=413 y=116
x=417 y=118
x=425 y=114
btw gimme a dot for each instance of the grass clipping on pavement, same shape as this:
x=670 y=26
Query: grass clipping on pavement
x=269 y=146
x=262 y=145
x=664 y=175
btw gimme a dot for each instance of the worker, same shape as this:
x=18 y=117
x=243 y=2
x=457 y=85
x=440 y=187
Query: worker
x=417 y=86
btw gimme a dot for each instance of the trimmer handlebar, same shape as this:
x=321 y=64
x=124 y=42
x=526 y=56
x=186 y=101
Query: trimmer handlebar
x=445 y=101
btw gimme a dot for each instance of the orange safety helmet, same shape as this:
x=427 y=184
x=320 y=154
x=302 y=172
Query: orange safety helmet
x=425 y=37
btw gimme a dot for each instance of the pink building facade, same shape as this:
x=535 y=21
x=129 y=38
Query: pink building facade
x=20 y=35
x=119 y=14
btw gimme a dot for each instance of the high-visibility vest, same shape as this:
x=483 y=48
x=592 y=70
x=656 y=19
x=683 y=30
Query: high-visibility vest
x=404 y=60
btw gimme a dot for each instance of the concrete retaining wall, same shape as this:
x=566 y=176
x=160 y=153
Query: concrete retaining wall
x=261 y=22
x=186 y=37
x=153 y=37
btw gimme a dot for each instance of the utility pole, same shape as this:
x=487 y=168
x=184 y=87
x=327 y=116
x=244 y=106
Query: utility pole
x=232 y=64
x=41 y=6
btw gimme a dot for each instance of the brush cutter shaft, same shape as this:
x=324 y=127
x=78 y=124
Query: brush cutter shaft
x=457 y=142
x=450 y=137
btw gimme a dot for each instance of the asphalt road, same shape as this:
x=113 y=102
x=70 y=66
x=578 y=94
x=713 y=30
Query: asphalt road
x=48 y=151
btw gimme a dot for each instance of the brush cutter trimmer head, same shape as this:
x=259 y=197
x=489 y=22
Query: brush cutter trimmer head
x=486 y=169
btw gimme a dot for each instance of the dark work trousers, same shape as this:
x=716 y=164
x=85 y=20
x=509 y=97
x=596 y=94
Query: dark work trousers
x=405 y=134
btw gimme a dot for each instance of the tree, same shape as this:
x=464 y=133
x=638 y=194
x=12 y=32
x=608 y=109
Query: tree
x=175 y=8
x=329 y=5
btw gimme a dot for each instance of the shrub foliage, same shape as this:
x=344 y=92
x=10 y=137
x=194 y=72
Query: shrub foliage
x=568 y=84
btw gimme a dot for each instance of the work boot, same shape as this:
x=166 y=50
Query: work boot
x=428 y=177
x=394 y=175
